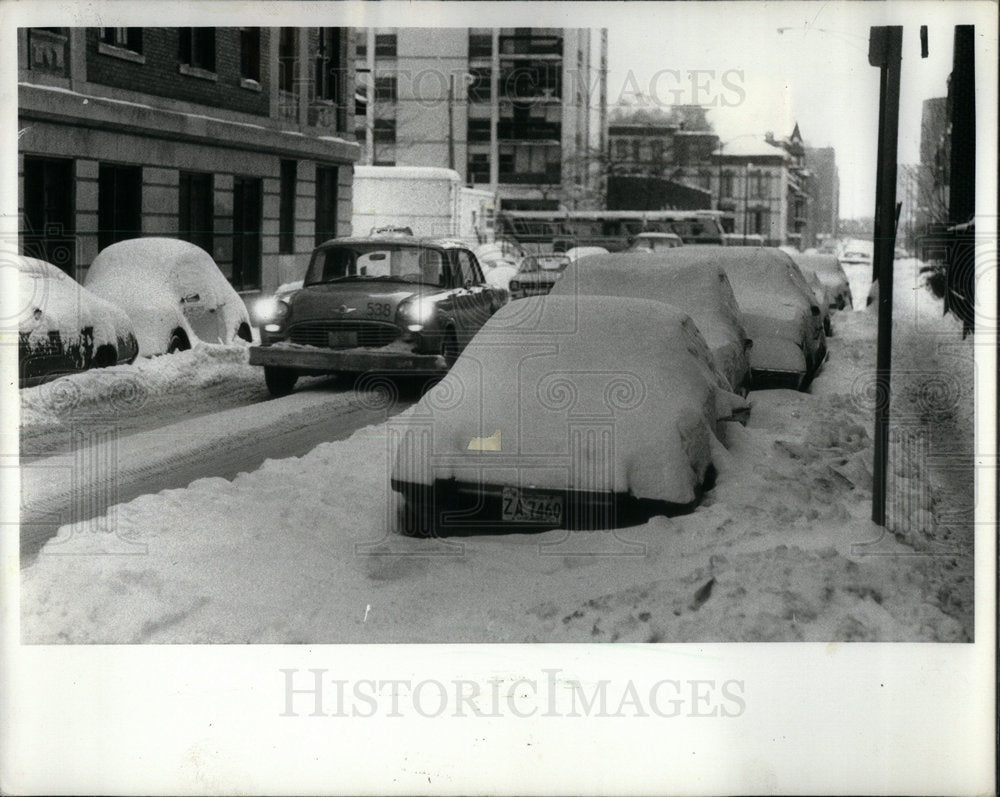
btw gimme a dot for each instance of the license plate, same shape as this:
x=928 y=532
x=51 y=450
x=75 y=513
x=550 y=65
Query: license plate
x=342 y=340
x=536 y=507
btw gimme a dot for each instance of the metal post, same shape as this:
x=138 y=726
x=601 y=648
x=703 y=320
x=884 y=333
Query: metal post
x=370 y=105
x=884 y=51
x=451 y=121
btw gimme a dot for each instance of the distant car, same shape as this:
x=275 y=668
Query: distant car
x=391 y=230
x=577 y=252
x=828 y=270
x=65 y=328
x=577 y=412
x=703 y=292
x=397 y=305
x=780 y=313
x=855 y=256
x=655 y=242
x=537 y=274
x=172 y=290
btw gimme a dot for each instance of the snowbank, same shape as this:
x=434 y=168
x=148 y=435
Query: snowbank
x=782 y=549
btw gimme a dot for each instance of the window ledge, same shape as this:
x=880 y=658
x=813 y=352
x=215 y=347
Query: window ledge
x=249 y=84
x=198 y=72
x=120 y=52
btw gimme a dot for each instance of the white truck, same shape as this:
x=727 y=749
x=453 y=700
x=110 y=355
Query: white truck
x=429 y=201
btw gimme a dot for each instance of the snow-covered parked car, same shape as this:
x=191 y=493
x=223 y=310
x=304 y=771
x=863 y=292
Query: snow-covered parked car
x=172 y=290
x=828 y=271
x=857 y=254
x=701 y=291
x=392 y=305
x=574 y=412
x=64 y=328
x=822 y=299
x=780 y=313
x=537 y=274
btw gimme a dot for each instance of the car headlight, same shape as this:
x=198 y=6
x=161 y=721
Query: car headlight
x=414 y=313
x=515 y=286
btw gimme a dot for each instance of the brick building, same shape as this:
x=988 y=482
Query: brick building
x=237 y=139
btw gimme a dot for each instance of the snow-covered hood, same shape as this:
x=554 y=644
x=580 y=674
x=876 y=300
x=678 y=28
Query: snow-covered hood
x=581 y=393
x=165 y=284
x=55 y=302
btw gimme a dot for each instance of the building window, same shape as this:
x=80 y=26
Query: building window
x=360 y=43
x=48 y=212
x=621 y=149
x=385 y=88
x=480 y=45
x=326 y=203
x=328 y=65
x=385 y=131
x=360 y=101
x=286 y=213
x=479 y=130
x=727 y=185
x=124 y=38
x=196 y=209
x=198 y=48
x=119 y=203
x=246 y=233
x=288 y=61
x=250 y=54
x=478 y=168
x=480 y=89
x=385 y=45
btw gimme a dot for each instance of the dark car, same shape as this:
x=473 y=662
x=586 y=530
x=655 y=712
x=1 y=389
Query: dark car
x=396 y=305
x=64 y=328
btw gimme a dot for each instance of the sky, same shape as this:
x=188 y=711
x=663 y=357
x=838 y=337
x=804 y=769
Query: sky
x=815 y=72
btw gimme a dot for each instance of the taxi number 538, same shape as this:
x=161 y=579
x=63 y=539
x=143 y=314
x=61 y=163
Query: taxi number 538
x=379 y=310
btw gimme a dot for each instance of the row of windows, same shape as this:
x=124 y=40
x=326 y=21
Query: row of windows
x=197 y=48
x=49 y=216
x=385 y=44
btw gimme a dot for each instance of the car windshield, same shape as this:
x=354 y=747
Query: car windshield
x=545 y=263
x=378 y=261
x=656 y=244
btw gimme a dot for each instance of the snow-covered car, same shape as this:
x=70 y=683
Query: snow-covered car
x=577 y=252
x=828 y=271
x=655 y=242
x=779 y=310
x=172 y=290
x=701 y=291
x=64 y=328
x=392 y=305
x=575 y=412
x=855 y=255
x=536 y=274
x=820 y=295
x=738 y=239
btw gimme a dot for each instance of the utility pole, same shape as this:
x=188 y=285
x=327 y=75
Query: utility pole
x=451 y=121
x=370 y=105
x=885 y=48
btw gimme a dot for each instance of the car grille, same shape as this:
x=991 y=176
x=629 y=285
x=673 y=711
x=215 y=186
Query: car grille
x=370 y=334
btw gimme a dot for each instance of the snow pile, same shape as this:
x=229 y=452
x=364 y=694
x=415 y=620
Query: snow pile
x=133 y=389
x=781 y=549
x=703 y=292
x=54 y=302
x=153 y=279
x=638 y=369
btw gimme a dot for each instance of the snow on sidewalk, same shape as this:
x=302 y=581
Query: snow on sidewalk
x=301 y=551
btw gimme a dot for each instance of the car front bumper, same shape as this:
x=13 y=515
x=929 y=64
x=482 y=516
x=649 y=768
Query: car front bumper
x=315 y=360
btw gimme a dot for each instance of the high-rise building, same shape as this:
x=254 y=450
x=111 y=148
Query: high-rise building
x=516 y=109
x=237 y=139
x=824 y=206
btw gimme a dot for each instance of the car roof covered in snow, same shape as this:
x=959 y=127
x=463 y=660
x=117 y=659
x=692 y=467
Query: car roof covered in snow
x=757 y=273
x=818 y=262
x=640 y=366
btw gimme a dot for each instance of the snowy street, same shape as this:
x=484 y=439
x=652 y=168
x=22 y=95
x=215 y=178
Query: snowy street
x=782 y=548
x=106 y=437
